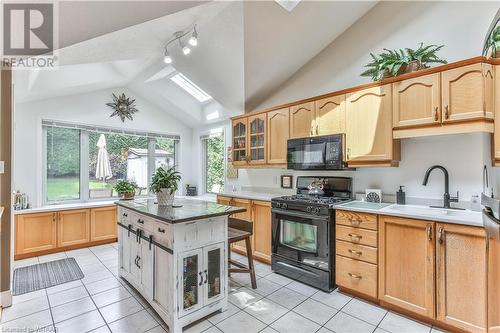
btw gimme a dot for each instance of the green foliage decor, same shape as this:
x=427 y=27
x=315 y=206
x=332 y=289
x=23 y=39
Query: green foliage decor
x=396 y=62
x=125 y=186
x=165 y=178
x=215 y=163
x=494 y=42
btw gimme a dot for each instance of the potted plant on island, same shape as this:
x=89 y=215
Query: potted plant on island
x=125 y=189
x=164 y=184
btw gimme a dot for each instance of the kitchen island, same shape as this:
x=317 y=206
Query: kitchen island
x=176 y=256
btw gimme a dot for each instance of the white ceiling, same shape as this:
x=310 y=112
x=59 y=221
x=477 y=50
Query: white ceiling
x=245 y=52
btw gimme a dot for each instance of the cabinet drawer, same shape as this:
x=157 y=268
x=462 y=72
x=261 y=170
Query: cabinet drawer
x=359 y=220
x=162 y=233
x=356 y=235
x=357 y=252
x=356 y=275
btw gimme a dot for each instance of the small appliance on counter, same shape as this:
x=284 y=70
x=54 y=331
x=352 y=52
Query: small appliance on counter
x=303 y=230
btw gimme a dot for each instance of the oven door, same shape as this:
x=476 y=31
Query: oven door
x=302 y=238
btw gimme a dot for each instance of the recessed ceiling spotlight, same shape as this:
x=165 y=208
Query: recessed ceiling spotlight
x=186 y=50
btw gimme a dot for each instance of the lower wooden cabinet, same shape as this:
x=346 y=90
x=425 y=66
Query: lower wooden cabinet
x=462 y=276
x=103 y=224
x=356 y=275
x=73 y=227
x=407 y=266
x=494 y=287
x=35 y=232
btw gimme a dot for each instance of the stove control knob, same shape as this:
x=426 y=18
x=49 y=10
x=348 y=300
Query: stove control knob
x=308 y=209
x=316 y=210
x=277 y=204
x=284 y=206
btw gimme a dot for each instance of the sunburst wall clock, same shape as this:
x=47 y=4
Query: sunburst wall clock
x=123 y=107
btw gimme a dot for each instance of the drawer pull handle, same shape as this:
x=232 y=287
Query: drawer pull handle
x=354 y=276
x=140 y=221
x=355 y=221
x=355 y=236
x=161 y=230
x=358 y=253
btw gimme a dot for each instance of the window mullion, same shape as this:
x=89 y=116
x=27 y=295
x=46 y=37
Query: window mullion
x=84 y=165
x=151 y=160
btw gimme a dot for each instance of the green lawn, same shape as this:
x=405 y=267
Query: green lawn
x=59 y=189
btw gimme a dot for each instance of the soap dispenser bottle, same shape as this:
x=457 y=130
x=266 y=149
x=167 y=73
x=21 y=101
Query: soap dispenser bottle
x=401 y=196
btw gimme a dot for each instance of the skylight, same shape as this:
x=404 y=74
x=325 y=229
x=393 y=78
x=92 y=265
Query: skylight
x=190 y=87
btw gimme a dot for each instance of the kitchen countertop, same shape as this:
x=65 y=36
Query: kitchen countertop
x=67 y=206
x=189 y=210
x=250 y=195
x=465 y=217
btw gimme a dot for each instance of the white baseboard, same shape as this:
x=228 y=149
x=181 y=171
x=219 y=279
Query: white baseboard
x=5 y=299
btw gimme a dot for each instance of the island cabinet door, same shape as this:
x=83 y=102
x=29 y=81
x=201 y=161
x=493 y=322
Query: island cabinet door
x=124 y=243
x=213 y=273
x=162 y=290
x=135 y=254
x=190 y=276
x=146 y=265
x=406 y=264
x=462 y=276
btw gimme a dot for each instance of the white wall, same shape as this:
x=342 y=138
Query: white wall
x=88 y=109
x=461 y=26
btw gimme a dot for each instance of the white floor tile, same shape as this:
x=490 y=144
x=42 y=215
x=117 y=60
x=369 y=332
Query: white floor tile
x=315 y=311
x=28 y=323
x=334 y=299
x=157 y=329
x=138 y=322
x=87 y=260
x=120 y=309
x=242 y=279
x=344 y=323
x=25 y=262
x=78 y=253
x=213 y=329
x=262 y=270
x=266 y=311
x=242 y=322
x=266 y=287
x=93 y=268
x=102 y=329
x=72 y=309
x=324 y=330
x=98 y=276
x=102 y=285
x=398 y=324
x=302 y=288
x=218 y=317
x=28 y=296
x=243 y=297
x=365 y=311
x=198 y=327
x=64 y=286
x=67 y=296
x=294 y=323
x=83 y=323
x=268 y=329
x=287 y=298
x=52 y=257
x=25 y=308
x=279 y=279
x=110 y=296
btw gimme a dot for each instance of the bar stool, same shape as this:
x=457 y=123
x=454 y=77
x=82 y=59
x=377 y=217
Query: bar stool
x=239 y=230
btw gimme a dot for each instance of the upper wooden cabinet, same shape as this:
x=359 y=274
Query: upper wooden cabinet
x=240 y=141
x=369 y=128
x=406 y=264
x=461 y=276
x=278 y=133
x=467 y=93
x=417 y=101
x=35 y=232
x=257 y=139
x=302 y=120
x=330 y=115
x=73 y=227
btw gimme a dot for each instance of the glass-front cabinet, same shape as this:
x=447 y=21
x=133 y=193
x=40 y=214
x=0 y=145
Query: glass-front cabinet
x=257 y=139
x=202 y=275
x=240 y=156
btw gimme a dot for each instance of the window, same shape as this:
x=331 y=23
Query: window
x=214 y=163
x=84 y=163
x=63 y=164
x=190 y=87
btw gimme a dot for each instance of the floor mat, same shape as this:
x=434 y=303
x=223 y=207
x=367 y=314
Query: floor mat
x=41 y=276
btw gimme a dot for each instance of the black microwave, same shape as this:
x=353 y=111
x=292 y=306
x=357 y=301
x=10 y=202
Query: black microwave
x=317 y=153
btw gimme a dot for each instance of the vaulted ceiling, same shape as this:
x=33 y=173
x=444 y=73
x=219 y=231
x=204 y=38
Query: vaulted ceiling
x=245 y=52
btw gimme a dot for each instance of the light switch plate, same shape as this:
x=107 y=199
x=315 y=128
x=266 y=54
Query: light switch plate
x=2 y=167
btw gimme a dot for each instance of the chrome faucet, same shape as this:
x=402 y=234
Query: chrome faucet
x=446 y=197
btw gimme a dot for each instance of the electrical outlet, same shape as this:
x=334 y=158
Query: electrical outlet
x=2 y=167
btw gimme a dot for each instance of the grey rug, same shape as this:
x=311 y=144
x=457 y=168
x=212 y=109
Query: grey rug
x=41 y=276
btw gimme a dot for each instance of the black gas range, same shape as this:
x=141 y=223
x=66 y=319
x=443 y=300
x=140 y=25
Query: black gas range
x=303 y=230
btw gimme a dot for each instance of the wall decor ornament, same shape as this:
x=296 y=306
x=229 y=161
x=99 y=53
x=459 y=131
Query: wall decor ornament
x=123 y=107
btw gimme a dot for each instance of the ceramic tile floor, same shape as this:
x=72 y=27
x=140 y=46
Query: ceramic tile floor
x=101 y=302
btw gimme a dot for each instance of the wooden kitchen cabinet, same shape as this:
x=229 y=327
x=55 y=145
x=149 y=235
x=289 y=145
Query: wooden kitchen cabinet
x=330 y=115
x=246 y=215
x=240 y=141
x=406 y=264
x=35 y=232
x=494 y=286
x=369 y=139
x=278 y=133
x=103 y=224
x=257 y=139
x=467 y=93
x=302 y=120
x=222 y=200
x=73 y=227
x=261 y=212
x=417 y=102
x=461 y=276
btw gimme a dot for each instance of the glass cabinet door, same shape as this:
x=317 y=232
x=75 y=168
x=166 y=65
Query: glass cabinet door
x=191 y=274
x=240 y=141
x=214 y=275
x=257 y=138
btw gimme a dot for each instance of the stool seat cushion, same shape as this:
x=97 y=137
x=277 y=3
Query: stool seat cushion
x=236 y=235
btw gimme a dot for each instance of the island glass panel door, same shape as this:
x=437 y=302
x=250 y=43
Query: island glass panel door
x=214 y=275
x=190 y=265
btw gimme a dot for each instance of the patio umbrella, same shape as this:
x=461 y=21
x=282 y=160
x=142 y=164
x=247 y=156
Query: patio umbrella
x=103 y=167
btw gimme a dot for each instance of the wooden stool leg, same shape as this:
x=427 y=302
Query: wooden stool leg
x=250 y=263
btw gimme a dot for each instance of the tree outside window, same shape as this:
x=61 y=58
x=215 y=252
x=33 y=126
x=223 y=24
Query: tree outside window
x=214 y=164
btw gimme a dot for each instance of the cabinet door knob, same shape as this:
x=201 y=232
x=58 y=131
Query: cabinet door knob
x=441 y=235
x=161 y=230
x=354 y=276
x=436 y=115
x=446 y=112
x=140 y=221
x=429 y=232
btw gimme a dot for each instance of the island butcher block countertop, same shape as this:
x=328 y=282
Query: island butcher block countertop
x=183 y=210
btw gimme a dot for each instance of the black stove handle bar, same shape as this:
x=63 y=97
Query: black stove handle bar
x=301 y=215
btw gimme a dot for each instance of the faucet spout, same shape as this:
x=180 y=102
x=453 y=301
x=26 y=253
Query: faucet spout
x=446 y=196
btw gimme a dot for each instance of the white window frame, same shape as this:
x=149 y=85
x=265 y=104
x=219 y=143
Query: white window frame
x=84 y=157
x=204 y=140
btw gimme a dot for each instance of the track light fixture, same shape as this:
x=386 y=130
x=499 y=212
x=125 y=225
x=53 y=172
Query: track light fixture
x=186 y=50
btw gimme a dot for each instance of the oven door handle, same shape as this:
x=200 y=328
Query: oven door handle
x=301 y=215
